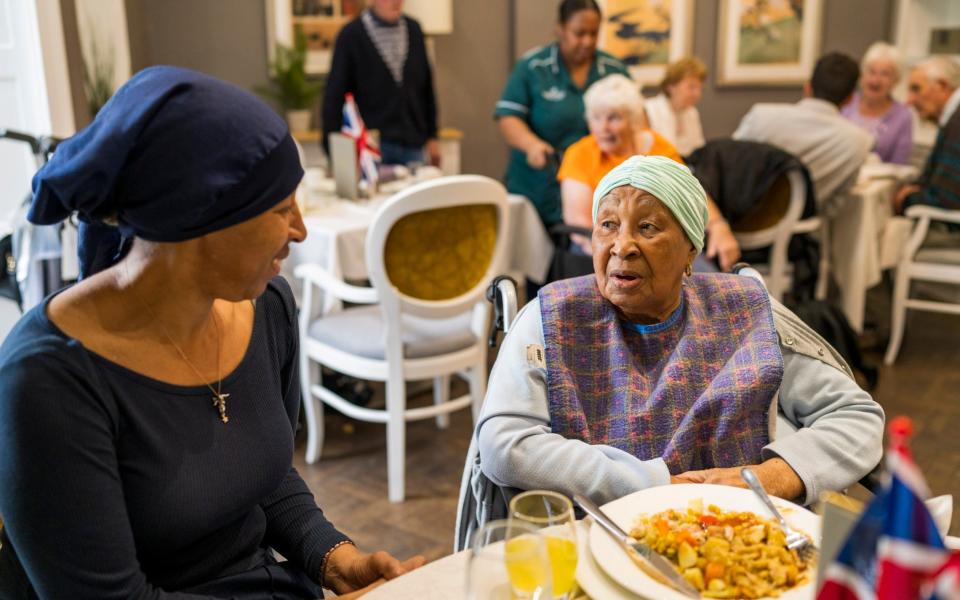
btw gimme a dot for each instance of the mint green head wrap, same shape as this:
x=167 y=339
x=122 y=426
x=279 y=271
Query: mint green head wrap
x=672 y=183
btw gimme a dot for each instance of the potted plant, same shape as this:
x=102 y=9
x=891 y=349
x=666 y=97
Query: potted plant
x=289 y=85
x=97 y=76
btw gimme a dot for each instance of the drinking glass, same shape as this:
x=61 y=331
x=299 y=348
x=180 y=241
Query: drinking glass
x=508 y=559
x=552 y=513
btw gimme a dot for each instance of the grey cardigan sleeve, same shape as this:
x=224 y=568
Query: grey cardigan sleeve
x=518 y=448
x=839 y=427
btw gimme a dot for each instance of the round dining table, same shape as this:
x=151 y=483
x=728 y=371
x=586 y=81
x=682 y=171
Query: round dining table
x=446 y=578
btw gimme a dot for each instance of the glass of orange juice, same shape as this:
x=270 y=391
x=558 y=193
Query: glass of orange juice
x=552 y=513
x=507 y=560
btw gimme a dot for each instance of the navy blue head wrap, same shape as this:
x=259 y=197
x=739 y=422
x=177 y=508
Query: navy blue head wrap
x=174 y=155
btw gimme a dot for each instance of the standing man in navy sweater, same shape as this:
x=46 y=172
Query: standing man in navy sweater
x=381 y=58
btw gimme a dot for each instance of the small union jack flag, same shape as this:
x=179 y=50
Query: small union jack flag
x=368 y=155
x=894 y=551
x=946 y=583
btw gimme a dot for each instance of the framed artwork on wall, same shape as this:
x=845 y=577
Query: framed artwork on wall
x=647 y=34
x=767 y=42
x=320 y=20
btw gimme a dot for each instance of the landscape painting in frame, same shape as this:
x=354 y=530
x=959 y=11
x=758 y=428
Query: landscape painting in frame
x=647 y=34
x=767 y=42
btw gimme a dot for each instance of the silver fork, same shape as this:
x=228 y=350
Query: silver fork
x=795 y=540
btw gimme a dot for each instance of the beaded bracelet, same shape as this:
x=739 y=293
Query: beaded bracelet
x=323 y=563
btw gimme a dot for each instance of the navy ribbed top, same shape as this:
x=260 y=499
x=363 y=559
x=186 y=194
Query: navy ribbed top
x=115 y=485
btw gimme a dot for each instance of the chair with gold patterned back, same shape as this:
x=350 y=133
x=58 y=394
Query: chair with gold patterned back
x=431 y=252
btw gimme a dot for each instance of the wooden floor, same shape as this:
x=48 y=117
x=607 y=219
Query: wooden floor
x=350 y=480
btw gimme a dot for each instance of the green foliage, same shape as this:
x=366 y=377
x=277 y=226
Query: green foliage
x=97 y=77
x=289 y=85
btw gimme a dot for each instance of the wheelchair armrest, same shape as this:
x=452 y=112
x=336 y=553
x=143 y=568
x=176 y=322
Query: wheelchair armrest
x=873 y=480
x=314 y=274
x=933 y=213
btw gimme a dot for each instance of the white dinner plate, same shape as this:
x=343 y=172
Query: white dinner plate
x=610 y=555
x=594 y=581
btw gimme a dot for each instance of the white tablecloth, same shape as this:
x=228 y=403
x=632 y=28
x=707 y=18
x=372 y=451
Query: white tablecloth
x=866 y=238
x=445 y=578
x=442 y=579
x=337 y=231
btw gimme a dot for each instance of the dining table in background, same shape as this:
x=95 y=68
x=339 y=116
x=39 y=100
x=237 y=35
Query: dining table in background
x=337 y=232
x=867 y=237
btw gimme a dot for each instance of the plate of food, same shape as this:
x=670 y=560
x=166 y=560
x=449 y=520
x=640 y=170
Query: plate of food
x=721 y=539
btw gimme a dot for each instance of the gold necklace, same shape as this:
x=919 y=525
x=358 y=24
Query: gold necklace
x=219 y=398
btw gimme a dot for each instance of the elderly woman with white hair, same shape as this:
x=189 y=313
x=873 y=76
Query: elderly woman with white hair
x=874 y=109
x=644 y=374
x=619 y=129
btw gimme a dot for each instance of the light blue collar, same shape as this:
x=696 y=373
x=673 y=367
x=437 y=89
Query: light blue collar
x=662 y=326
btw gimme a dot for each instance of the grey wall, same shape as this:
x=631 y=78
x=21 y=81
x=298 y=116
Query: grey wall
x=848 y=26
x=471 y=67
x=473 y=63
x=225 y=39
x=534 y=24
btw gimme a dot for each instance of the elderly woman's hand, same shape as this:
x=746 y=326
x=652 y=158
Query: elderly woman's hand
x=721 y=244
x=777 y=477
x=349 y=570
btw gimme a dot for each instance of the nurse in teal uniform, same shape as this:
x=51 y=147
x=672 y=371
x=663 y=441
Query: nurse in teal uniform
x=540 y=112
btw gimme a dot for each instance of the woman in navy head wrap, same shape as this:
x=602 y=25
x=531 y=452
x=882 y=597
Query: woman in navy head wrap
x=147 y=413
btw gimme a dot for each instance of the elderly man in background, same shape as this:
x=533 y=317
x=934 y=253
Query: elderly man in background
x=813 y=130
x=934 y=92
x=381 y=58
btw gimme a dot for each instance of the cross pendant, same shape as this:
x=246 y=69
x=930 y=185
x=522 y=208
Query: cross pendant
x=220 y=401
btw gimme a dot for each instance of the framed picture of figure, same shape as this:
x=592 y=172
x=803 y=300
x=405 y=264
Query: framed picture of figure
x=767 y=42
x=647 y=34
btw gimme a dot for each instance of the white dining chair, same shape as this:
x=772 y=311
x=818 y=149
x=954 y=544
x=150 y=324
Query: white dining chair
x=431 y=251
x=923 y=261
x=775 y=225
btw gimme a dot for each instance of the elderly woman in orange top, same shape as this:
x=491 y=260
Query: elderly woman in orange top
x=618 y=130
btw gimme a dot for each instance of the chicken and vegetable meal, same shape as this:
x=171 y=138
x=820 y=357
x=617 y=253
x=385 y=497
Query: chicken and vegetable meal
x=724 y=554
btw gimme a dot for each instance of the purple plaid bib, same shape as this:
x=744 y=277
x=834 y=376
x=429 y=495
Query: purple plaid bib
x=696 y=392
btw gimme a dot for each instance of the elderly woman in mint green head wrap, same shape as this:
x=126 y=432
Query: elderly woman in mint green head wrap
x=644 y=374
